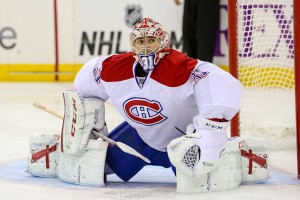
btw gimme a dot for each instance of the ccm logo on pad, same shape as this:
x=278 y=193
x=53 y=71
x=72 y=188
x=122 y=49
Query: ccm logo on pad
x=144 y=111
x=74 y=121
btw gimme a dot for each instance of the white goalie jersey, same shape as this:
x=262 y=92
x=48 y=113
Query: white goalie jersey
x=177 y=90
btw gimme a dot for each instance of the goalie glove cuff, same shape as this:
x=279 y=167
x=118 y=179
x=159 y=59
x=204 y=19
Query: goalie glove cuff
x=214 y=124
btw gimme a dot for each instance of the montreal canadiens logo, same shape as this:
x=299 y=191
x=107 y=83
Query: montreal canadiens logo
x=144 y=111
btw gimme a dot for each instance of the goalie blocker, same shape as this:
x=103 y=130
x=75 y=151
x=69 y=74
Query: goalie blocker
x=81 y=116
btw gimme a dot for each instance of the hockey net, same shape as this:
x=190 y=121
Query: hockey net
x=264 y=62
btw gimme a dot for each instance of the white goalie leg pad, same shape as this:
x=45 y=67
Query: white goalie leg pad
x=43 y=155
x=255 y=160
x=226 y=176
x=86 y=167
x=81 y=116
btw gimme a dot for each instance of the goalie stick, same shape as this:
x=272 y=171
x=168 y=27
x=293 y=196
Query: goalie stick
x=124 y=147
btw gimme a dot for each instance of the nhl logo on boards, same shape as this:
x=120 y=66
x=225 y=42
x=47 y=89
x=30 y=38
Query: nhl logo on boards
x=133 y=15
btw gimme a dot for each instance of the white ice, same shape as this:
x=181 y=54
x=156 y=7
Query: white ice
x=19 y=119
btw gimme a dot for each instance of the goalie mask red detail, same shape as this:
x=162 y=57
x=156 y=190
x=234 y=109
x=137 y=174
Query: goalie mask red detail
x=147 y=40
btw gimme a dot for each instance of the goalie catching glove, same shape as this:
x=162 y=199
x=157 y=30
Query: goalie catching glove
x=197 y=152
x=206 y=161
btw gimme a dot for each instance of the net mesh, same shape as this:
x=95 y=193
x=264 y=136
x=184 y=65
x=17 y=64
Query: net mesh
x=266 y=67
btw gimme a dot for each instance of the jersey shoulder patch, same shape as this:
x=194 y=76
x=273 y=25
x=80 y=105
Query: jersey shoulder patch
x=197 y=75
x=117 y=67
x=174 y=69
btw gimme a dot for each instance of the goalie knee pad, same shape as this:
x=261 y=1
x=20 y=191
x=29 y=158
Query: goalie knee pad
x=81 y=116
x=85 y=167
x=43 y=157
x=255 y=160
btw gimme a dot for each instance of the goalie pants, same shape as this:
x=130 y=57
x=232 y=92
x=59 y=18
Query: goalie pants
x=124 y=165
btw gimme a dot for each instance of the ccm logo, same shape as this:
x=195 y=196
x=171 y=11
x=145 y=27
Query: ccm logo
x=74 y=118
x=212 y=126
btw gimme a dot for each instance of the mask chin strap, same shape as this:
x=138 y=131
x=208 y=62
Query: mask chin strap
x=149 y=61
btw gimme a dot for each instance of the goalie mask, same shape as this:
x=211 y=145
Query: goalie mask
x=147 y=40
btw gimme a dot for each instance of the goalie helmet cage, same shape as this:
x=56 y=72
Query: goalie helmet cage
x=264 y=55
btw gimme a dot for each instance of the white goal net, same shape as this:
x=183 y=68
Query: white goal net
x=265 y=62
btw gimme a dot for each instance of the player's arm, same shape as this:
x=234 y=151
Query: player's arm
x=218 y=96
x=197 y=154
x=88 y=80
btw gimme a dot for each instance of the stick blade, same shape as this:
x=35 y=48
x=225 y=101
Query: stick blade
x=131 y=151
x=38 y=105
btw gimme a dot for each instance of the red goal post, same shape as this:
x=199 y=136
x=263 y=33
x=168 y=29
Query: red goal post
x=265 y=56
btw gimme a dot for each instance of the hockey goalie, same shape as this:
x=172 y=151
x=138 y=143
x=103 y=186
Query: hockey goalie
x=158 y=91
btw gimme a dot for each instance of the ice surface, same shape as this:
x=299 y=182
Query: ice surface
x=19 y=119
